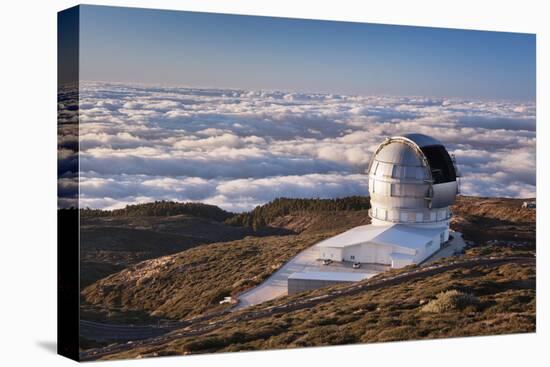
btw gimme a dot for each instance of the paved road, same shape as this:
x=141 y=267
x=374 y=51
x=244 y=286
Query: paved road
x=110 y=332
x=204 y=325
x=117 y=332
x=306 y=261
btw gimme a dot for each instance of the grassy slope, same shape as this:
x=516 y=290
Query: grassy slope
x=114 y=240
x=192 y=282
x=110 y=244
x=506 y=296
x=484 y=219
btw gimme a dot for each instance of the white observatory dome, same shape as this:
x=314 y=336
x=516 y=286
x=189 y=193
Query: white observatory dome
x=412 y=180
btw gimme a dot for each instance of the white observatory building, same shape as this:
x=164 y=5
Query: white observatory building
x=412 y=183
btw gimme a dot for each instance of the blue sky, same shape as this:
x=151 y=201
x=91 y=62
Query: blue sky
x=228 y=51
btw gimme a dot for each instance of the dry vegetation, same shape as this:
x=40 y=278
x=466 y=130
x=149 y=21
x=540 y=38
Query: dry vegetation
x=450 y=301
x=485 y=219
x=467 y=301
x=191 y=282
x=111 y=243
x=114 y=240
x=484 y=300
x=194 y=281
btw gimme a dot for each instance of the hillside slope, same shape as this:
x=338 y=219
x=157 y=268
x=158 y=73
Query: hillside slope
x=300 y=214
x=486 y=219
x=193 y=281
x=110 y=244
x=473 y=297
x=114 y=240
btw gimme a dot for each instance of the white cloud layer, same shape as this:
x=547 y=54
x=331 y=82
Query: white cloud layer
x=238 y=149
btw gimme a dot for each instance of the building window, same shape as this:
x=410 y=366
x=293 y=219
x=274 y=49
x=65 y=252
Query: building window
x=352 y=257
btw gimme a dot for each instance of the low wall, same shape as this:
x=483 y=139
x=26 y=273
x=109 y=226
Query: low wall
x=301 y=285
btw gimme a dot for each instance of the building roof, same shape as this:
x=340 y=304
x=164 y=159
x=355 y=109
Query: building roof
x=422 y=140
x=396 y=152
x=330 y=276
x=402 y=235
x=416 y=150
x=354 y=236
x=407 y=236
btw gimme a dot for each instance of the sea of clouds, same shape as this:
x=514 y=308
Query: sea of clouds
x=239 y=148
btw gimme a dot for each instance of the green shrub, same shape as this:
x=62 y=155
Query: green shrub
x=162 y=209
x=450 y=301
x=261 y=215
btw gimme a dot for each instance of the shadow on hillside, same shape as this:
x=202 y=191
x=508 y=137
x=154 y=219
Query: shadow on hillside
x=480 y=229
x=273 y=231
